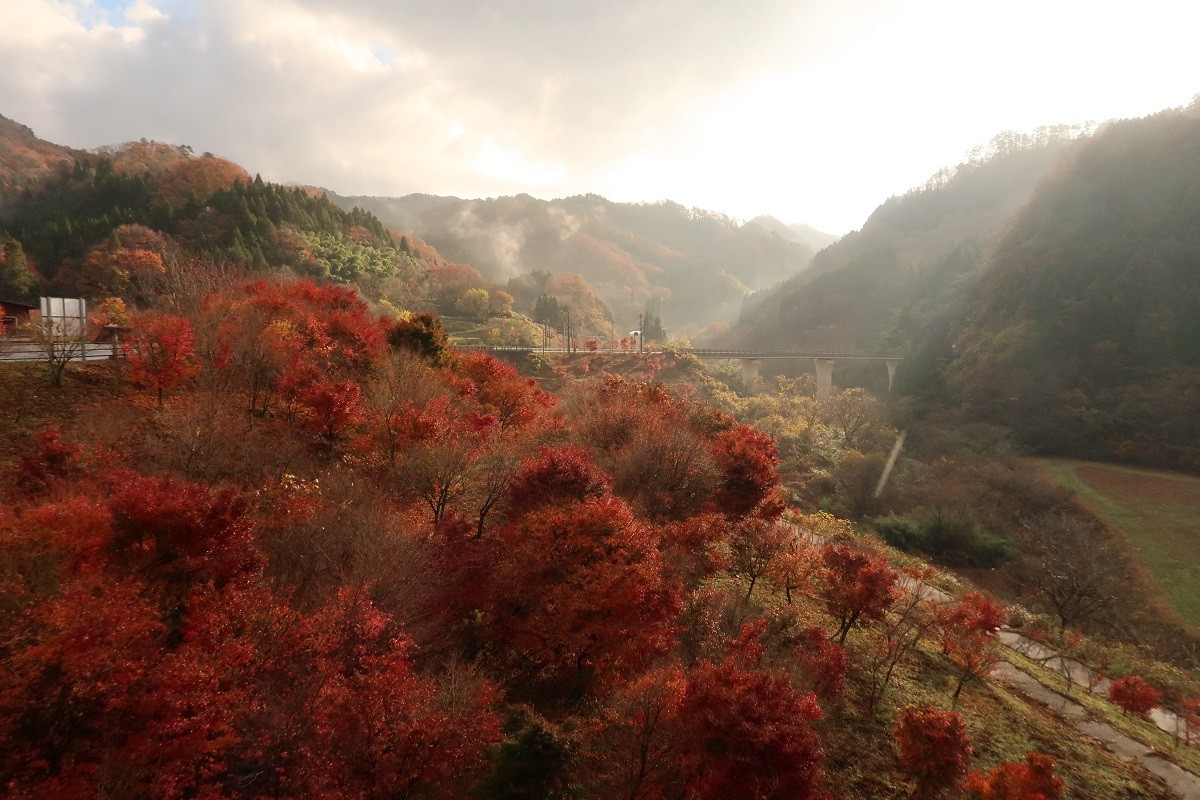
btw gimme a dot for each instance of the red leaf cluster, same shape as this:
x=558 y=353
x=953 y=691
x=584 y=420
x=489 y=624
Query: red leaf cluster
x=750 y=736
x=825 y=663
x=855 y=585
x=934 y=749
x=748 y=460
x=1134 y=696
x=47 y=467
x=716 y=731
x=1032 y=780
x=578 y=589
x=968 y=630
x=160 y=352
x=308 y=343
x=555 y=475
x=145 y=654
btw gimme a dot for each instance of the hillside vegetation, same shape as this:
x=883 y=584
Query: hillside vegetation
x=1050 y=287
x=24 y=158
x=1157 y=512
x=305 y=550
x=877 y=287
x=698 y=263
x=1080 y=332
x=293 y=543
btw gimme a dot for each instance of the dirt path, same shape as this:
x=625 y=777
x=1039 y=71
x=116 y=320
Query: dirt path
x=1077 y=674
x=1180 y=781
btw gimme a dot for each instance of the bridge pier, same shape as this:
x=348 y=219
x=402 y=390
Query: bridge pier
x=824 y=370
x=891 y=368
x=750 y=373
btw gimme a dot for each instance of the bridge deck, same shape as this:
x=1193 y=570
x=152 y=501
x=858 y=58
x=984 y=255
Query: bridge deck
x=711 y=353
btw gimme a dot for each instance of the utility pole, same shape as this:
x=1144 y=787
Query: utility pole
x=568 y=313
x=641 y=331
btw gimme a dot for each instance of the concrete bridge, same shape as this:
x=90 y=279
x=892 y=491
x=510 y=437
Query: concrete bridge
x=751 y=360
x=823 y=361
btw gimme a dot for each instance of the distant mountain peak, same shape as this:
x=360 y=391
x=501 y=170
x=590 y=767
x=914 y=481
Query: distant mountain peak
x=798 y=232
x=817 y=240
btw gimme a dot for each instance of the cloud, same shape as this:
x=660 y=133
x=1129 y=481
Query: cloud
x=381 y=96
x=811 y=110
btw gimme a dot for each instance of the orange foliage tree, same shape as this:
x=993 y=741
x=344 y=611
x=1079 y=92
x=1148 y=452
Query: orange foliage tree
x=303 y=342
x=716 y=731
x=854 y=586
x=160 y=352
x=969 y=630
x=199 y=177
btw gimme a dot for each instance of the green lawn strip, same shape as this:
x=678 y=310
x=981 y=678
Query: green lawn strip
x=1102 y=709
x=1164 y=535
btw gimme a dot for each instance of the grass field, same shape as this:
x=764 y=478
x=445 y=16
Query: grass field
x=1158 y=512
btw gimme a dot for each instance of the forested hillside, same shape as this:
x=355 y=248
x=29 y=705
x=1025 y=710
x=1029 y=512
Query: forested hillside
x=874 y=287
x=134 y=220
x=287 y=548
x=24 y=158
x=698 y=263
x=1049 y=286
x=1082 y=331
x=205 y=203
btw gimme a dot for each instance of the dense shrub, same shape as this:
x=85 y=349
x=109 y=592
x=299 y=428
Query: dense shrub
x=951 y=540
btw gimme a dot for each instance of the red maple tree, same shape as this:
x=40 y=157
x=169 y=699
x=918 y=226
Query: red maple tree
x=934 y=749
x=748 y=734
x=160 y=352
x=854 y=585
x=1013 y=780
x=1134 y=696
x=748 y=460
x=969 y=629
x=578 y=591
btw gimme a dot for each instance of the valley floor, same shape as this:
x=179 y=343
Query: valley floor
x=1157 y=512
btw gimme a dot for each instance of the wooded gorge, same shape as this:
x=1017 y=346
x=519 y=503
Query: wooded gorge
x=295 y=542
x=1050 y=288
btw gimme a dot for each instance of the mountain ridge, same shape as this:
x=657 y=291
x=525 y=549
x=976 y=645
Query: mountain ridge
x=698 y=263
x=796 y=232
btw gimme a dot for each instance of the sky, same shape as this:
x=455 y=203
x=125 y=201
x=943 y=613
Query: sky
x=812 y=111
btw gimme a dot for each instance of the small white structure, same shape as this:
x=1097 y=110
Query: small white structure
x=64 y=317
